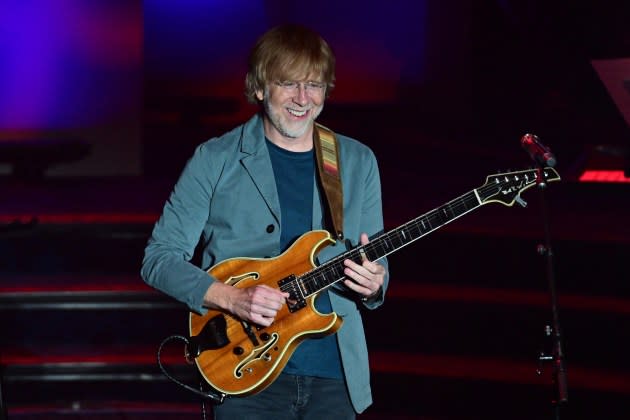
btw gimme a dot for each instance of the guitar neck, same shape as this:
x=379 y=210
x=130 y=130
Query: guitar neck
x=387 y=243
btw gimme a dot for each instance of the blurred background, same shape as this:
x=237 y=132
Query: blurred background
x=103 y=101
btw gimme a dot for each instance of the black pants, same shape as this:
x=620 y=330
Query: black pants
x=291 y=397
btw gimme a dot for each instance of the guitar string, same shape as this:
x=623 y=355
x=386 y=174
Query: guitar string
x=311 y=284
x=331 y=267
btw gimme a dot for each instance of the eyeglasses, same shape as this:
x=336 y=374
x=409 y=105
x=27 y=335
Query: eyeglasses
x=292 y=86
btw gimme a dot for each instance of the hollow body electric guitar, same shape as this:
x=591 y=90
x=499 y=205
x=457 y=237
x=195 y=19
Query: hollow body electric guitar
x=238 y=358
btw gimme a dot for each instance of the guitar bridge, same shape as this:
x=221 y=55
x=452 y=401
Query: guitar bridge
x=296 y=300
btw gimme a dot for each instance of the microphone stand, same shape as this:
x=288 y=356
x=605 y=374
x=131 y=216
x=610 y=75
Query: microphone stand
x=553 y=331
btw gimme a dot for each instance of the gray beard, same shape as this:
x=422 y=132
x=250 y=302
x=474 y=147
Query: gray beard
x=276 y=121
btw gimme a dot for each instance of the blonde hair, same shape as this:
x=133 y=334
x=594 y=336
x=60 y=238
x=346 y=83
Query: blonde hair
x=289 y=52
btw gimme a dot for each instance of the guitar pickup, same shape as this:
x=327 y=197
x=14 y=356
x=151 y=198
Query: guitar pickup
x=296 y=300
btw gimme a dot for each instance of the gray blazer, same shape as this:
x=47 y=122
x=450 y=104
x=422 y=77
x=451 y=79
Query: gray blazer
x=226 y=195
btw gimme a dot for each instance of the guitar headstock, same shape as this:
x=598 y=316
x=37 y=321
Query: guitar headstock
x=506 y=188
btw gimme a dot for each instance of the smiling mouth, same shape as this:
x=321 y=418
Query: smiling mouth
x=297 y=113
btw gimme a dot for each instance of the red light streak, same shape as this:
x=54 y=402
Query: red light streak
x=603 y=176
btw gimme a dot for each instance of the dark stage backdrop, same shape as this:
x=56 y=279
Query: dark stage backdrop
x=135 y=80
x=396 y=62
x=457 y=81
x=70 y=73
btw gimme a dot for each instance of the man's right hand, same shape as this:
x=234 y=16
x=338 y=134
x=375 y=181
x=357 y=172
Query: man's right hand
x=258 y=304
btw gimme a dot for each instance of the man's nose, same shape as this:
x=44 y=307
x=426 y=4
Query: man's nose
x=301 y=95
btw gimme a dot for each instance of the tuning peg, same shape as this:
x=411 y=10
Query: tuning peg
x=520 y=201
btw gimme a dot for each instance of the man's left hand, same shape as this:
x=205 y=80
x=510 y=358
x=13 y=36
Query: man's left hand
x=366 y=278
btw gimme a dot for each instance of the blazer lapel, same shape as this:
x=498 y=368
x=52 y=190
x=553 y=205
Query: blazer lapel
x=257 y=163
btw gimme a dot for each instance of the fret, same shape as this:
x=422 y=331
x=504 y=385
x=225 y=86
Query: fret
x=443 y=214
x=305 y=286
x=413 y=231
x=319 y=281
x=399 y=237
x=433 y=221
x=355 y=256
x=322 y=277
x=469 y=201
x=337 y=270
x=371 y=252
x=314 y=282
x=426 y=224
x=381 y=246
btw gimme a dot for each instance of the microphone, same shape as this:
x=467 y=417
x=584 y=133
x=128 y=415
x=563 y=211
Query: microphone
x=539 y=153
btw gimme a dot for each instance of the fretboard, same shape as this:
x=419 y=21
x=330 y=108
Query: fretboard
x=331 y=271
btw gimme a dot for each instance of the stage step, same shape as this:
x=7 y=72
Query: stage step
x=458 y=337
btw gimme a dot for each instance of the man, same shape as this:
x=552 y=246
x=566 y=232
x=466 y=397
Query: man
x=251 y=193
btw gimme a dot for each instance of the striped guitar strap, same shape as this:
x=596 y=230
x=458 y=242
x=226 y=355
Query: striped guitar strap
x=329 y=171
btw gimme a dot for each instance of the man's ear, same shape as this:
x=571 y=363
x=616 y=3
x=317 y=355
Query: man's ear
x=259 y=94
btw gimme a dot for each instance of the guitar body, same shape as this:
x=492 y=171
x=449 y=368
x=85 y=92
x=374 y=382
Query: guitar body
x=254 y=356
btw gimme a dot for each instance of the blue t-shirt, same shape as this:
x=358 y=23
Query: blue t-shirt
x=294 y=173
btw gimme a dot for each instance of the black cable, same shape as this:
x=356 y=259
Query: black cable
x=211 y=394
